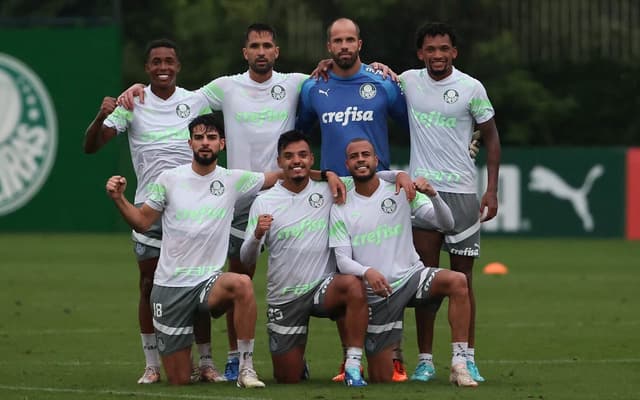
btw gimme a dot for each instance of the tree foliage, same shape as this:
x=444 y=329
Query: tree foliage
x=527 y=112
x=539 y=102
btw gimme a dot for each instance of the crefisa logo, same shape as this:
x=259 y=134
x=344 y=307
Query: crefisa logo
x=28 y=134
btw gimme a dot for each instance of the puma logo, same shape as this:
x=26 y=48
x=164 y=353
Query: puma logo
x=544 y=180
x=324 y=92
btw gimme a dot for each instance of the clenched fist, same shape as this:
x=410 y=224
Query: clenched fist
x=263 y=225
x=116 y=186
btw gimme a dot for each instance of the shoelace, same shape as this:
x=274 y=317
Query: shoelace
x=464 y=374
x=249 y=372
x=209 y=369
x=150 y=370
x=424 y=369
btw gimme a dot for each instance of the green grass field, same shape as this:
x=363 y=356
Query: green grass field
x=563 y=324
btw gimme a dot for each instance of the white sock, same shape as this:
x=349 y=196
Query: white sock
x=231 y=354
x=459 y=353
x=245 y=348
x=354 y=357
x=204 y=349
x=471 y=354
x=150 y=348
x=426 y=358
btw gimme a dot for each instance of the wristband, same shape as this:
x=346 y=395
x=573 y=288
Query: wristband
x=323 y=174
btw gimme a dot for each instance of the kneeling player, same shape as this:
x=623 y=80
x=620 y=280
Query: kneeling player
x=292 y=220
x=371 y=235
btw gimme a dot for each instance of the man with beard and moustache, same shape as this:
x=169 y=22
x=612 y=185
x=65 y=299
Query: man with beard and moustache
x=371 y=237
x=258 y=105
x=354 y=102
x=196 y=204
x=439 y=92
x=157 y=133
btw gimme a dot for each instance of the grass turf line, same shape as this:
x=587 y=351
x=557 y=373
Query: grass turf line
x=560 y=325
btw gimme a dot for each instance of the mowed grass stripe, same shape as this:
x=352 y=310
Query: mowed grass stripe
x=560 y=325
x=124 y=393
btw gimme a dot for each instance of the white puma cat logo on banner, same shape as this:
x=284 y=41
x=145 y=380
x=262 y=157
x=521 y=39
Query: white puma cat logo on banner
x=544 y=180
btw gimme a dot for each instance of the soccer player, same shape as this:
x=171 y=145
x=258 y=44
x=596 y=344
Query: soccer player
x=371 y=235
x=354 y=102
x=292 y=219
x=196 y=202
x=158 y=133
x=444 y=105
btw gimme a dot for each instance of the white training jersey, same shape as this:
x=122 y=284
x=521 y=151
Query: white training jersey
x=378 y=230
x=255 y=115
x=158 y=132
x=442 y=116
x=196 y=220
x=298 y=241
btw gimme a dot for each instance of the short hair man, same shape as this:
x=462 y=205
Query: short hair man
x=354 y=102
x=371 y=235
x=439 y=153
x=196 y=202
x=157 y=133
x=292 y=219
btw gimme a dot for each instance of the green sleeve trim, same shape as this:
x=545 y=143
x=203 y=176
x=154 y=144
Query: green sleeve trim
x=338 y=230
x=348 y=182
x=478 y=106
x=247 y=181
x=420 y=200
x=156 y=192
x=214 y=91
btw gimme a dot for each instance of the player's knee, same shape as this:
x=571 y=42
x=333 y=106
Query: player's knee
x=244 y=286
x=459 y=284
x=355 y=289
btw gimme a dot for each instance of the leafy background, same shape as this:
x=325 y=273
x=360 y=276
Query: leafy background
x=558 y=72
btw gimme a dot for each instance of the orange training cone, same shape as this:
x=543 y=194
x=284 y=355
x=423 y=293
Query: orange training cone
x=495 y=268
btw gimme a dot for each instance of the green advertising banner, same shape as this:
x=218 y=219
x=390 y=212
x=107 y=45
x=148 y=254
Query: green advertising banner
x=577 y=192
x=562 y=192
x=52 y=81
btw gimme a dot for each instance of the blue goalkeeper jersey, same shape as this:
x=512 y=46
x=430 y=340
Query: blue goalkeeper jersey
x=349 y=108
